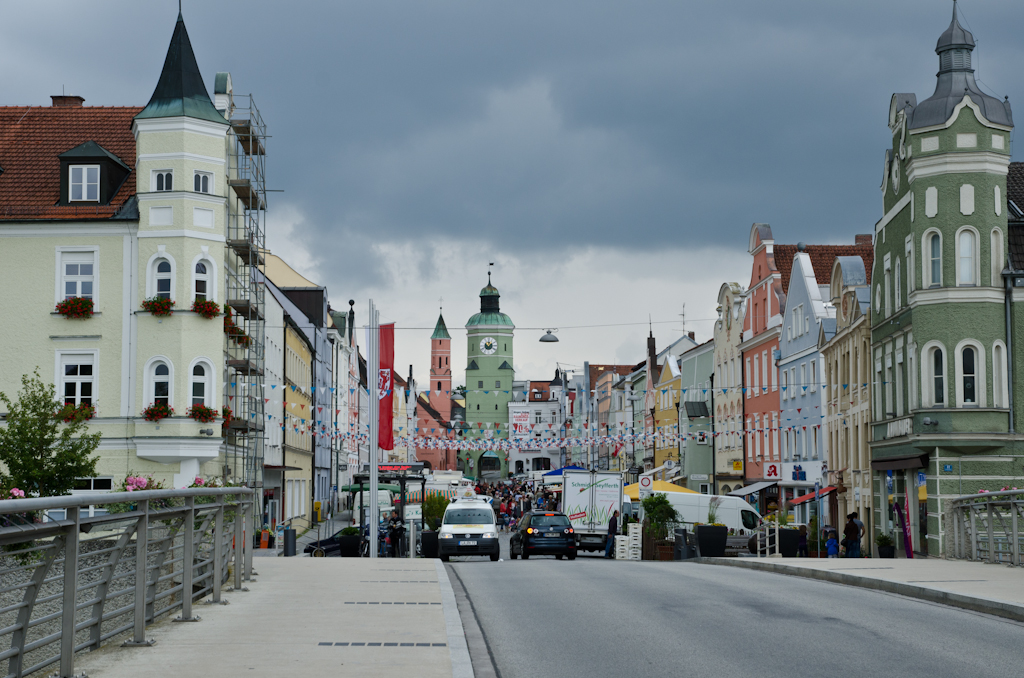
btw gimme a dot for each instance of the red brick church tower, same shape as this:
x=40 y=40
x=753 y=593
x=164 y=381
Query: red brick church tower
x=441 y=370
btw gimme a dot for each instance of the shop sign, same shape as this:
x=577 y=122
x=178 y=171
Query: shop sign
x=947 y=468
x=737 y=466
x=773 y=471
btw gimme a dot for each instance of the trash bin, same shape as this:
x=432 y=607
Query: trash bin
x=289 y=542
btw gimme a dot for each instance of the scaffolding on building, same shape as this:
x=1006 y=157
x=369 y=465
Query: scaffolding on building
x=245 y=315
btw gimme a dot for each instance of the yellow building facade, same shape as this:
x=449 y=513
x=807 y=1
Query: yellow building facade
x=298 y=440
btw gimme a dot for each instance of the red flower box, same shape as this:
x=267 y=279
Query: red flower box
x=158 y=306
x=75 y=308
x=157 y=411
x=207 y=309
x=202 y=413
x=70 y=413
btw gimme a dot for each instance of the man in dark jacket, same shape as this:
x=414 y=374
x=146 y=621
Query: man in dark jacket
x=613 y=529
x=852 y=534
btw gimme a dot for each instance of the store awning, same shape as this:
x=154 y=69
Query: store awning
x=899 y=463
x=810 y=497
x=633 y=491
x=751 y=489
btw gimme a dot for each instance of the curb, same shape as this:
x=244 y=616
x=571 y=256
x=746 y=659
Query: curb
x=462 y=665
x=973 y=603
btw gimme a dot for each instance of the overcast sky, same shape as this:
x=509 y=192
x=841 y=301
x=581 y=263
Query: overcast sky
x=609 y=157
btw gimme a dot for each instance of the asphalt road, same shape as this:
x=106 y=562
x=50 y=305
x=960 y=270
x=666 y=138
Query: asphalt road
x=592 y=617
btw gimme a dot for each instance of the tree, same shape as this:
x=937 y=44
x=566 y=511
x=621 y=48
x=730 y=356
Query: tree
x=659 y=513
x=459 y=392
x=44 y=446
x=433 y=510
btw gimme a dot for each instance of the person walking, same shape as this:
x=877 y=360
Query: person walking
x=613 y=529
x=851 y=534
x=801 y=544
x=860 y=524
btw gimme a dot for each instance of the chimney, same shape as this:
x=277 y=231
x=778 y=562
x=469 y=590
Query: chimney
x=862 y=239
x=67 y=101
x=692 y=335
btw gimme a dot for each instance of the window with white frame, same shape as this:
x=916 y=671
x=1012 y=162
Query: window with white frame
x=899 y=383
x=77 y=376
x=996 y=253
x=163 y=279
x=966 y=257
x=764 y=369
x=970 y=374
x=163 y=180
x=159 y=383
x=84 y=184
x=933 y=371
x=803 y=378
x=933 y=259
x=785 y=385
x=910 y=263
x=78 y=274
x=814 y=375
x=200 y=384
x=887 y=282
x=201 y=282
x=814 y=442
x=898 y=279
x=757 y=370
x=202 y=182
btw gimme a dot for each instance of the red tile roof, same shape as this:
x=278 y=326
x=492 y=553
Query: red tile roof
x=596 y=371
x=822 y=258
x=31 y=138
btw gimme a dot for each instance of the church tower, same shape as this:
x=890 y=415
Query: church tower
x=440 y=370
x=489 y=376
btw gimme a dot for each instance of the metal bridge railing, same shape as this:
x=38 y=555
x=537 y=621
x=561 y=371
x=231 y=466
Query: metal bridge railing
x=78 y=581
x=989 y=527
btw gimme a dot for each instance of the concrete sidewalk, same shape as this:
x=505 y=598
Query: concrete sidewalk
x=992 y=589
x=310 y=617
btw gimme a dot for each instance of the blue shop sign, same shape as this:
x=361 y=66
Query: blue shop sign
x=947 y=468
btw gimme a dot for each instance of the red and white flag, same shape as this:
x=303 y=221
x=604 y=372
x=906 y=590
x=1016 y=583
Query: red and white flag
x=385 y=387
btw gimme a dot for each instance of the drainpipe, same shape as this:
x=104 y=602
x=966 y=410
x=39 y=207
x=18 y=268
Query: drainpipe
x=1008 y=296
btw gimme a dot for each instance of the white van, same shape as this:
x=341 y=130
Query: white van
x=385 y=503
x=468 y=528
x=733 y=512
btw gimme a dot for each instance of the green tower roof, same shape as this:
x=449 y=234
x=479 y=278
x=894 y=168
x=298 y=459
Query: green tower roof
x=180 y=90
x=440 y=331
x=490 y=311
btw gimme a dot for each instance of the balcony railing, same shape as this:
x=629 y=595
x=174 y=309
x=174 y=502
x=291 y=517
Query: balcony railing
x=75 y=583
x=989 y=527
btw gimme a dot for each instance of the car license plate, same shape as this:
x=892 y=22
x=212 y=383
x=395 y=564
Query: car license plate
x=467 y=543
x=551 y=534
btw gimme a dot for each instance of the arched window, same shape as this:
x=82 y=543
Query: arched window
x=199 y=385
x=969 y=375
x=899 y=290
x=161 y=384
x=439 y=387
x=1000 y=394
x=996 y=250
x=933 y=259
x=163 y=279
x=202 y=281
x=933 y=376
x=966 y=257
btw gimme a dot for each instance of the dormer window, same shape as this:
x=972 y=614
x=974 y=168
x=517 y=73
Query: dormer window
x=201 y=182
x=163 y=180
x=84 y=183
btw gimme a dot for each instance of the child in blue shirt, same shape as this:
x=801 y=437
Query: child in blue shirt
x=832 y=545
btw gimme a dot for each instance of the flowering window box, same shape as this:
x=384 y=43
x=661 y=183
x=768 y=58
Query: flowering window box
x=157 y=411
x=202 y=413
x=75 y=308
x=70 y=413
x=158 y=306
x=205 y=308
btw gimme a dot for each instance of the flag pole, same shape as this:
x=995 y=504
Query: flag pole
x=372 y=376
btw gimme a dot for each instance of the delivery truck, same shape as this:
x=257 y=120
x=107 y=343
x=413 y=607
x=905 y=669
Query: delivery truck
x=589 y=498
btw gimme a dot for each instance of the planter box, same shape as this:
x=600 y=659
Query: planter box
x=664 y=549
x=886 y=551
x=712 y=540
x=789 y=542
x=428 y=544
x=349 y=545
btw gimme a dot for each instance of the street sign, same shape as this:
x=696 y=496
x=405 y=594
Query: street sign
x=947 y=468
x=698 y=476
x=646 y=486
x=395 y=468
x=669 y=464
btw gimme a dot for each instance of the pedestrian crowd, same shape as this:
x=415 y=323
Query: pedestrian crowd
x=512 y=499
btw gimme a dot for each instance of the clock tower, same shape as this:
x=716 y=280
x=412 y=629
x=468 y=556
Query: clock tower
x=489 y=375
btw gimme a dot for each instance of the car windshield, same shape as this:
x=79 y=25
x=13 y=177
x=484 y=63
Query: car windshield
x=549 y=521
x=469 y=516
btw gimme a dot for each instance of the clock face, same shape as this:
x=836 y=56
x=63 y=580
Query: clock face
x=488 y=345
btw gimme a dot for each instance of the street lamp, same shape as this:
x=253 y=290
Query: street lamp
x=550 y=337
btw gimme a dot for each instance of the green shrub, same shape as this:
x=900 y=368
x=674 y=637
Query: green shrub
x=659 y=513
x=433 y=510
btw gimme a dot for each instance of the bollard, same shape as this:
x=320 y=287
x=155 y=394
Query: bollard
x=412 y=539
x=289 y=542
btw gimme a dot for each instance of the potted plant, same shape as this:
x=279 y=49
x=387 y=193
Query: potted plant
x=70 y=413
x=712 y=537
x=157 y=411
x=201 y=413
x=75 y=308
x=434 y=505
x=886 y=547
x=207 y=309
x=226 y=414
x=348 y=540
x=659 y=513
x=158 y=306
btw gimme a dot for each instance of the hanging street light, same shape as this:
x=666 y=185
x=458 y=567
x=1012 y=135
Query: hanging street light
x=550 y=337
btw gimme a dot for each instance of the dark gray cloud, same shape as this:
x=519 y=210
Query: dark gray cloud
x=537 y=126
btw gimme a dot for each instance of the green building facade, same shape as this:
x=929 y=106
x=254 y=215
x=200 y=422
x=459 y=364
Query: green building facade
x=941 y=387
x=489 y=375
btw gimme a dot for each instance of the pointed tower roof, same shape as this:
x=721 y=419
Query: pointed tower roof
x=180 y=90
x=490 y=308
x=955 y=81
x=440 y=331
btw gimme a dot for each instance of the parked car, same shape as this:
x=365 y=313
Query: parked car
x=543 y=533
x=468 y=529
x=344 y=542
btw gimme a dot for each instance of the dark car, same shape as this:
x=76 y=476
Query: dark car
x=543 y=533
x=332 y=546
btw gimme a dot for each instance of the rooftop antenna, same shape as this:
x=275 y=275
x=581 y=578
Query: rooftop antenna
x=489 y=272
